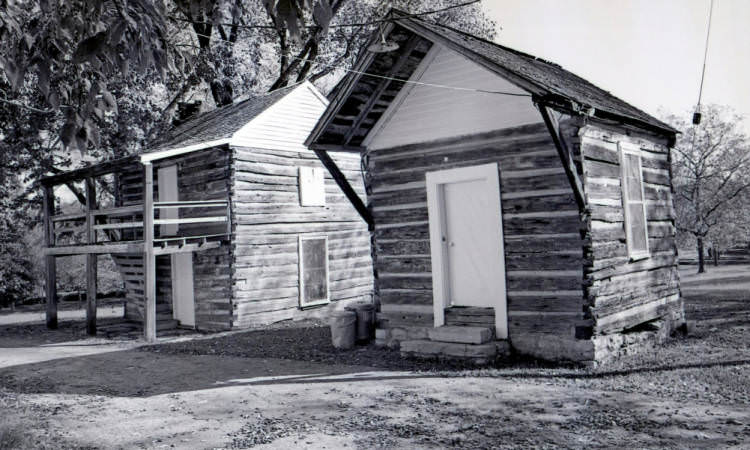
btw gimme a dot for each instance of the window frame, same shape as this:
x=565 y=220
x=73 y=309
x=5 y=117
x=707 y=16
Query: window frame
x=316 y=302
x=627 y=148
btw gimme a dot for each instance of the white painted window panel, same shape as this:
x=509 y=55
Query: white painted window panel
x=634 y=206
x=168 y=192
x=312 y=186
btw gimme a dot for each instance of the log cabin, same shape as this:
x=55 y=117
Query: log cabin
x=515 y=206
x=227 y=221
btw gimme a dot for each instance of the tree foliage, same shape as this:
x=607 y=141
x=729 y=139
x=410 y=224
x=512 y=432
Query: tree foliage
x=73 y=56
x=87 y=80
x=711 y=176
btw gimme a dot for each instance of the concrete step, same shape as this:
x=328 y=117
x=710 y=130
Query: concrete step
x=460 y=334
x=163 y=325
x=481 y=353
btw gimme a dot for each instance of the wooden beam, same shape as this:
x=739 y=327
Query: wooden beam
x=337 y=148
x=348 y=85
x=187 y=248
x=91 y=258
x=149 y=259
x=49 y=260
x=343 y=183
x=384 y=83
x=566 y=156
x=99 y=249
x=90 y=171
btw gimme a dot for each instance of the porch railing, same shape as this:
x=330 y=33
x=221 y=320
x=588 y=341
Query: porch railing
x=114 y=222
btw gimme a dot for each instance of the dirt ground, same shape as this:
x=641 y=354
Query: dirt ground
x=288 y=388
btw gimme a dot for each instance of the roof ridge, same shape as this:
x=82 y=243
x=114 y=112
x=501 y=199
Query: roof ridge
x=206 y=120
x=462 y=38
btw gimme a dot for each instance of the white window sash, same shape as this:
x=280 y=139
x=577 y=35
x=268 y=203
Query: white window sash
x=627 y=148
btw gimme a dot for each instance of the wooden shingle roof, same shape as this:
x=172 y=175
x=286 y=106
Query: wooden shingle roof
x=361 y=98
x=550 y=78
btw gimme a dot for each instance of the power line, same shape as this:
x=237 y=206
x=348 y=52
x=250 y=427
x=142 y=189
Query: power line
x=342 y=25
x=705 y=52
x=402 y=80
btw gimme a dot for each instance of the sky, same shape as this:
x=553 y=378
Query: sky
x=647 y=52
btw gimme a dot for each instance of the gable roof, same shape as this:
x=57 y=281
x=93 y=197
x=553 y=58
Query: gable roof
x=231 y=125
x=550 y=78
x=220 y=123
x=548 y=83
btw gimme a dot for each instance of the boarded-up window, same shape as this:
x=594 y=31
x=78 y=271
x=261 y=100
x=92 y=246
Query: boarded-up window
x=636 y=229
x=312 y=190
x=313 y=268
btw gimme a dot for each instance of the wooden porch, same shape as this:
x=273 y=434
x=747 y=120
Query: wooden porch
x=147 y=229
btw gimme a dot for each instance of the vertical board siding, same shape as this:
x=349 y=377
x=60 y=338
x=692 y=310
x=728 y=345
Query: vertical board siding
x=429 y=112
x=267 y=220
x=543 y=247
x=624 y=293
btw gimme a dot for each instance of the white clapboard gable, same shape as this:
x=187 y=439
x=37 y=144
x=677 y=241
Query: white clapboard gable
x=287 y=123
x=426 y=113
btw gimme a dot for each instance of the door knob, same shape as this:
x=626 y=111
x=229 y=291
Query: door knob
x=452 y=244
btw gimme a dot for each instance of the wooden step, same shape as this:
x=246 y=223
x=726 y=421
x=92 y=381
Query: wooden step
x=470 y=316
x=461 y=334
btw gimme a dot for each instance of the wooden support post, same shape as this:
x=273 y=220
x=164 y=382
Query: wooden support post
x=49 y=260
x=343 y=183
x=149 y=260
x=566 y=157
x=91 y=258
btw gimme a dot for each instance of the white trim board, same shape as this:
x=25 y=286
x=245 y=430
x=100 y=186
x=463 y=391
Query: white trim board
x=438 y=244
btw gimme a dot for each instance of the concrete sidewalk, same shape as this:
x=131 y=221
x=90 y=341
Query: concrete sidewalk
x=103 y=312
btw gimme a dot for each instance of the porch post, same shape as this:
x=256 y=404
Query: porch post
x=149 y=260
x=49 y=260
x=91 y=258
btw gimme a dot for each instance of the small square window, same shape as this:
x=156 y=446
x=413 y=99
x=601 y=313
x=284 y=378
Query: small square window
x=312 y=188
x=313 y=271
x=633 y=201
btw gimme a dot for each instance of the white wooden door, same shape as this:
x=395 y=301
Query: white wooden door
x=468 y=263
x=183 y=302
x=467 y=231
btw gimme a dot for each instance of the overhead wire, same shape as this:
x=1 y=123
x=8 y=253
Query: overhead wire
x=386 y=77
x=705 y=51
x=340 y=25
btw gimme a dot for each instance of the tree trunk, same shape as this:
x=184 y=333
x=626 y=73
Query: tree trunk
x=716 y=257
x=701 y=261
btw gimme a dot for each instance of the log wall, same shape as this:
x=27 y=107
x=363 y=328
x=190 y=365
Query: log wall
x=621 y=293
x=267 y=220
x=541 y=226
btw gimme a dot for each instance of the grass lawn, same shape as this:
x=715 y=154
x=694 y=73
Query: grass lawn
x=287 y=388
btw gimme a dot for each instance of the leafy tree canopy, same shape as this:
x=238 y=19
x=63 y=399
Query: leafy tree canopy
x=78 y=60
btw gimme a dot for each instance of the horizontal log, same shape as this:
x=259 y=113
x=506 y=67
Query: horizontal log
x=637 y=315
x=406 y=296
